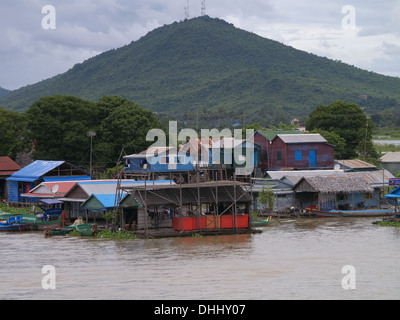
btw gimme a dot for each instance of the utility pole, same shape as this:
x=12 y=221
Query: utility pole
x=91 y=134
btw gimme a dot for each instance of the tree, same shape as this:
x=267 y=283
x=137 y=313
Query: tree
x=334 y=139
x=60 y=125
x=14 y=133
x=266 y=197
x=348 y=121
x=127 y=127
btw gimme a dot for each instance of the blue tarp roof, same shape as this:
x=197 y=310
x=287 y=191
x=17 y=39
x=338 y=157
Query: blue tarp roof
x=106 y=200
x=51 y=201
x=66 y=179
x=37 y=169
x=395 y=194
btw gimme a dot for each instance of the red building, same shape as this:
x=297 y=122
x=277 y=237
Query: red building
x=7 y=168
x=301 y=151
x=264 y=138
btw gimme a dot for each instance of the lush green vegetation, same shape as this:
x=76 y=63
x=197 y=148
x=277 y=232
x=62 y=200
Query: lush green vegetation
x=389 y=223
x=13 y=210
x=120 y=235
x=3 y=92
x=13 y=133
x=59 y=128
x=347 y=125
x=206 y=72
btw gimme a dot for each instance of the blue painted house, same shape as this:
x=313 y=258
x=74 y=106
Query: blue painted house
x=233 y=153
x=158 y=160
x=39 y=171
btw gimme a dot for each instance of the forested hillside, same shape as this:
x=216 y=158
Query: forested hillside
x=205 y=69
x=3 y=91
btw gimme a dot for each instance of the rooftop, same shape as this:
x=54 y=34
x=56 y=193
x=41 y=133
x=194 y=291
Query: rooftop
x=271 y=134
x=302 y=138
x=8 y=166
x=39 y=169
x=391 y=157
x=332 y=184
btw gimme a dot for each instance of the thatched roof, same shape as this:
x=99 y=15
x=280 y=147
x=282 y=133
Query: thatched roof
x=337 y=184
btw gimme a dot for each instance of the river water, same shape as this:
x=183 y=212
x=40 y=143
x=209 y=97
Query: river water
x=291 y=259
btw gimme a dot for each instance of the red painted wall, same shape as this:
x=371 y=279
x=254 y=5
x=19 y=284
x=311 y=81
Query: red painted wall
x=263 y=142
x=325 y=155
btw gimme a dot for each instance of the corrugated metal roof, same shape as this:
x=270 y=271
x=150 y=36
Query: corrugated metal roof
x=66 y=179
x=106 y=201
x=303 y=173
x=35 y=170
x=110 y=186
x=391 y=157
x=355 y=164
x=302 y=138
x=377 y=177
x=271 y=134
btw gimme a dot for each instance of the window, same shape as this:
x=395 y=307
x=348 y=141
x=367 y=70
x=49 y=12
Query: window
x=143 y=163
x=265 y=155
x=368 y=196
x=298 y=156
x=279 y=156
x=343 y=197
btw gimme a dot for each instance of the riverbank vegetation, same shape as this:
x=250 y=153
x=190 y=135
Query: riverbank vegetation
x=389 y=223
x=119 y=235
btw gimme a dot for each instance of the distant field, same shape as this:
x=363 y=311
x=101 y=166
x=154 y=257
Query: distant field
x=386 y=134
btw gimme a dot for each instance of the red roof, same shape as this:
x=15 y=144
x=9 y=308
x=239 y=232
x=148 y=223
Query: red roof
x=8 y=166
x=55 y=189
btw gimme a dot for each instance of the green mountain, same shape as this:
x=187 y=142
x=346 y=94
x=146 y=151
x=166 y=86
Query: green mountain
x=3 y=91
x=206 y=65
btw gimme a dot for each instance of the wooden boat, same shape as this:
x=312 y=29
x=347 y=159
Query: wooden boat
x=372 y=212
x=14 y=223
x=34 y=223
x=40 y=225
x=82 y=228
x=326 y=214
x=258 y=223
x=86 y=229
x=60 y=231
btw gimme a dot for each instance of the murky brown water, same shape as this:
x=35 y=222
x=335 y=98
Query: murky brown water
x=294 y=259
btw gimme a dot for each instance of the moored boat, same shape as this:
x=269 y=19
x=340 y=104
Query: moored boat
x=259 y=223
x=59 y=231
x=79 y=226
x=372 y=212
x=86 y=229
x=14 y=223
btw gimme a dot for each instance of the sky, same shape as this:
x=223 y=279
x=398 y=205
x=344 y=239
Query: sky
x=42 y=38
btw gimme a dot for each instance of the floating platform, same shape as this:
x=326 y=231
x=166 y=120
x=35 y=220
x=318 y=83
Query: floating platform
x=171 y=233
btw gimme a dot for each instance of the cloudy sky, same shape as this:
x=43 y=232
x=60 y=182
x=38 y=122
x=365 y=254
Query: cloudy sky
x=362 y=33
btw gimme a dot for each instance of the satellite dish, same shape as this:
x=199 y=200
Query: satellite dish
x=55 y=188
x=337 y=167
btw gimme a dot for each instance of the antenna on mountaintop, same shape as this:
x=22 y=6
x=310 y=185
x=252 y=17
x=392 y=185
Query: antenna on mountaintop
x=203 y=7
x=187 y=15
